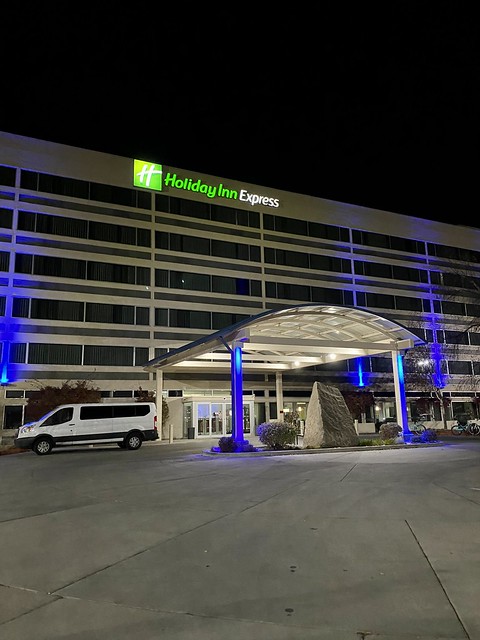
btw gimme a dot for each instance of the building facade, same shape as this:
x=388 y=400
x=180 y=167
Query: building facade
x=107 y=262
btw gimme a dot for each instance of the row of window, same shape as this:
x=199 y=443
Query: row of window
x=73 y=311
x=207 y=246
x=95 y=355
x=81 y=269
x=206 y=282
x=58 y=185
x=81 y=228
x=77 y=354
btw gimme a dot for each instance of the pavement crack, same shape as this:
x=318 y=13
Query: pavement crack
x=438 y=579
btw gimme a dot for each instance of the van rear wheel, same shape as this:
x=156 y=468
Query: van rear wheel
x=43 y=446
x=133 y=441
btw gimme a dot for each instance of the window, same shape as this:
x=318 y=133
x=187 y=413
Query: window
x=103 y=271
x=293 y=291
x=408 y=304
x=381 y=301
x=185 y=280
x=56 y=310
x=329 y=263
x=113 y=195
x=6 y=217
x=453 y=308
x=222 y=320
x=142 y=316
x=96 y=412
x=460 y=367
x=62 y=186
x=328 y=296
x=161 y=317
x=111 y=233
x=191 y=319
x=39 y=353
x=373 y=269
x=233 y=250
x=59 y=417
x=61 y=226
x=4 y=260
x=381 y=365
x=141 y=356
x=61 y=267
x=291 y=225
x=7 y=176
x=407 y=273
x=109 y=313
x=329 y=232
x=189 y=244
x=18 y=352
x=236 y=286
x=108 y=356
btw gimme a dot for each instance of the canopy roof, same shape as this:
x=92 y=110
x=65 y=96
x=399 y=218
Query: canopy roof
x=291 y=338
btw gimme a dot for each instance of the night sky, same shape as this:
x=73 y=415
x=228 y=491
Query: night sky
x=377 y=107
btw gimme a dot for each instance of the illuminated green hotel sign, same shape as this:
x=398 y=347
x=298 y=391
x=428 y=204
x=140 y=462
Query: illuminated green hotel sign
x=149 y=175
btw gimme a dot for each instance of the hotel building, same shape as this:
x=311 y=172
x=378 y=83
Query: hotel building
x=107 y=262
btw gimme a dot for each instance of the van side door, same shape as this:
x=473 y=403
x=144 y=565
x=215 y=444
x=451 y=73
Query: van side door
x=60 y=425
x=94 y=424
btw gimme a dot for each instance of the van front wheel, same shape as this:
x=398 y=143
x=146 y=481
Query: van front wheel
x=43 y=446
x=133 y=441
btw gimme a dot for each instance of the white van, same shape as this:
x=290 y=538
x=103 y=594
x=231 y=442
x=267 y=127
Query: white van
x=126 y=423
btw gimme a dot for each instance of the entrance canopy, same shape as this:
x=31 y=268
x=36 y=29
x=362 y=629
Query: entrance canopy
x=290 y=338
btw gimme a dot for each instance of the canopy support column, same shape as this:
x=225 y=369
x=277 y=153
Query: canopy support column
x=279 y=391
x=400 y=397
x=158 y=400
x=237 y=392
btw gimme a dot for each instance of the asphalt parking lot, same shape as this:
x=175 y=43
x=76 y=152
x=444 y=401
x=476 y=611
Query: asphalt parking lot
x=167 y=542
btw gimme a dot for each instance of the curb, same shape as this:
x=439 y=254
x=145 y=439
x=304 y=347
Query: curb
x=295 y=452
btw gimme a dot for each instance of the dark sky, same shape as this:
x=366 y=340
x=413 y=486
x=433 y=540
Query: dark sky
x=373 y=106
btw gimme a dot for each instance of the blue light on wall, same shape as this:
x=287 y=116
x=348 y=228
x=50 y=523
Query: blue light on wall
x=360 y=382
x=4 y=364
x=438 y=376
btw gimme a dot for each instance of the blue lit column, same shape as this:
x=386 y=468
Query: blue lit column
x=400 y=397
x=237 y=392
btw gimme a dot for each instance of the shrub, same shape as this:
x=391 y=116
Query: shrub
x=390 y=430
x=277 y=435
x=429 y=435
x=227 y=445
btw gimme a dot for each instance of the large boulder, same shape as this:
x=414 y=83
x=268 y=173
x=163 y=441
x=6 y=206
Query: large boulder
x=328 y=423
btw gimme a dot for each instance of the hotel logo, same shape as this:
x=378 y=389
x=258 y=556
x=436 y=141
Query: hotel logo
x=147 y=175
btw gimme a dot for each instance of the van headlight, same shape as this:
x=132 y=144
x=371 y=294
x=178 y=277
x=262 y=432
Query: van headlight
x=26 y=429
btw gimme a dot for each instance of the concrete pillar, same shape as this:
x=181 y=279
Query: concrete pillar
x=279 y=390
x=158 y=400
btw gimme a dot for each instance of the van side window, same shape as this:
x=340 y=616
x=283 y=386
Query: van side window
x=59 y=417
x=97 y=412
x=125 y=411
x=130 y=410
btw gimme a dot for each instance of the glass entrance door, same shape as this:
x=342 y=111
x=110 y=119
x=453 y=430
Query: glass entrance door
x=215 y=418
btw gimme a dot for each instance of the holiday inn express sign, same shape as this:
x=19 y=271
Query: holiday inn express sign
x=149 y=175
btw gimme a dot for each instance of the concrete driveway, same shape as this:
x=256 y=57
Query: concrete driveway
x=164 y=543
